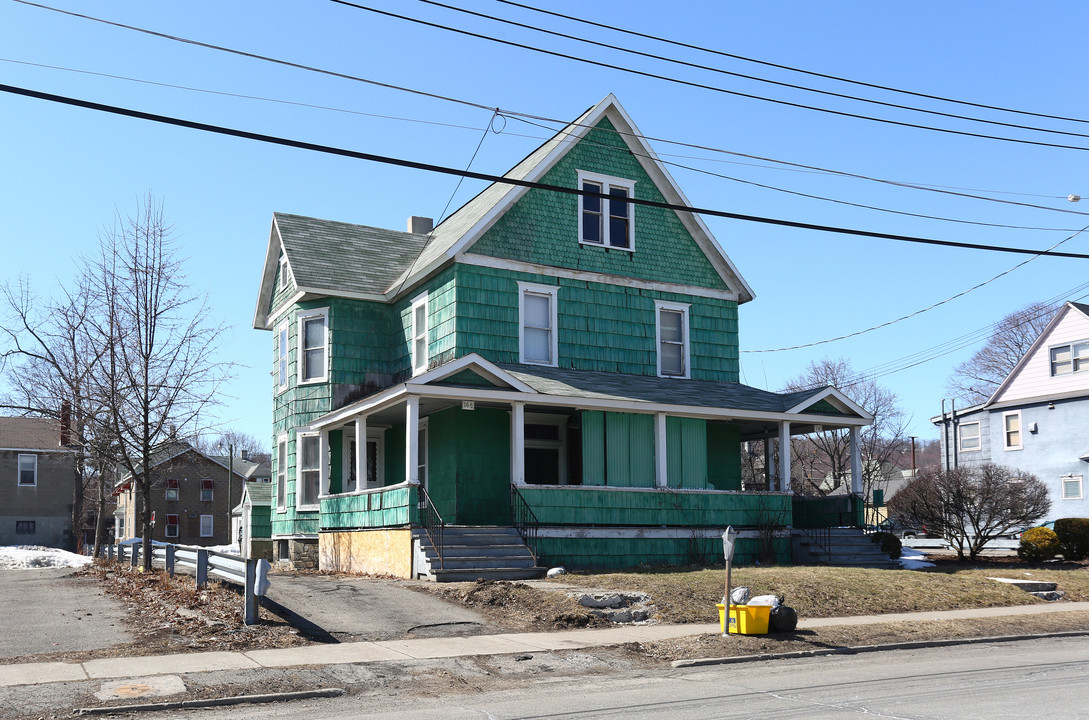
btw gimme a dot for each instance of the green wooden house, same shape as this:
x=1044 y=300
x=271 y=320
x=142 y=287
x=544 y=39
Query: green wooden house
x=543 y=378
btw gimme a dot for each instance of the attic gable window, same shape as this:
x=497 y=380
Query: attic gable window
x=285 y=273
x=1066 y=359
x=606 y=222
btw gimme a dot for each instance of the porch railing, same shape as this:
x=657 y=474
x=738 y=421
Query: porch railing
x=432 y=523
x=524 y=521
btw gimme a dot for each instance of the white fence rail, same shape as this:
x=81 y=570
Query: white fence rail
x=250 y=573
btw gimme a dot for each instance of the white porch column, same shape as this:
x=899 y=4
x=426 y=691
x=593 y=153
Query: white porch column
x=661 y=458
x=360 y=459
x=412 y=439
x=518 y=443
x=784 y=456
x=323 y=465
x=769 y=473
x=856 y=460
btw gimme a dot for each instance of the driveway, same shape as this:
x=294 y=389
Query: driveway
x=349 y=608
x=50 y=610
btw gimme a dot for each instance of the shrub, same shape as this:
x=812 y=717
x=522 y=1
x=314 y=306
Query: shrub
x=1073 y=537
x=889 y=543
x=1038 y=544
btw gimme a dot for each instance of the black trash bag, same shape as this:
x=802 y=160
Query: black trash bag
x=782 y=619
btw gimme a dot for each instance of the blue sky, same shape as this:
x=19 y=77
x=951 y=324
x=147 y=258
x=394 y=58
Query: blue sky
x=67 y=171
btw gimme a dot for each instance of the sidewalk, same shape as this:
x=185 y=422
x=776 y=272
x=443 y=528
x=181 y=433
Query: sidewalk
x=431 y=648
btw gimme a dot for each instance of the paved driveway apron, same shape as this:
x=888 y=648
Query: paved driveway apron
x=50 y=610
x=358 y=608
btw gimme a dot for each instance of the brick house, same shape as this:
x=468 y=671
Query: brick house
x=551 y=371
x=189 y=496
x=36 y=483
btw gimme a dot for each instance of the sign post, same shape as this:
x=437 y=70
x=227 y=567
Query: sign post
x=728 y=538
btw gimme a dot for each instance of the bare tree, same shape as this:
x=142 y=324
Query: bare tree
x=818 y=457
x=971 y=505
x=241 y=443
x=159 y=373
x=976 y=379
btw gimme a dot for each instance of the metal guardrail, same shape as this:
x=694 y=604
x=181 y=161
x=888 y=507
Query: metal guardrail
x=250 y=573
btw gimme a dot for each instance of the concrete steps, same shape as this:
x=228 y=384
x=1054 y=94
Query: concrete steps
x=474 y=553
x=848 y=547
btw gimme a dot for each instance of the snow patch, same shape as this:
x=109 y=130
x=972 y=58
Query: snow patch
x=36 y=557
x=912 y=559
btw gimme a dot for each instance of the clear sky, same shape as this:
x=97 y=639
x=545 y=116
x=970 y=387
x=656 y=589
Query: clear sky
x=68 y=171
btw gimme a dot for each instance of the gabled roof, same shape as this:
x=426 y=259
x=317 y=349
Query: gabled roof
x=170 y=449
x=21 y=433
x=388 y=262
x=1040 y=341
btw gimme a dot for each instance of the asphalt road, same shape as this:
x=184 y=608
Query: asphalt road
x=47 y=610
x=989 y=681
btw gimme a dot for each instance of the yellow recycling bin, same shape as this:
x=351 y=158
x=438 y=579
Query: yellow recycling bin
x=745 y=619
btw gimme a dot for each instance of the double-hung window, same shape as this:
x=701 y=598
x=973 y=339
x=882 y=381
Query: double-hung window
x=313 y=357
x=207 y=525
x=419 y=334
x=28 y=470
x=1011 y=428
x=309 y=475
x=608 y=222
x=672 y=338
x=537 y=316
x=207 y=490
x=281 y=474
x=172 y=526
x=281 y=357
x=171 y=489
x=1072 y=358
x=969 y=437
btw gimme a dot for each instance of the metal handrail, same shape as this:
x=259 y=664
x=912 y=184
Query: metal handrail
x=525 y=521
x=432 y=523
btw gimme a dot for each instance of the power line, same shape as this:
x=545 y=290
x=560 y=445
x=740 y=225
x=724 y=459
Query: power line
x=702 y=86
x=780 y=66
x=523 y=115
x=744 y=76
x=429 y=167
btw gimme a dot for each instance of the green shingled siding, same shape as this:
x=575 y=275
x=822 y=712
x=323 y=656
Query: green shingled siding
x=469 y=465
x=542 y=227
x=621 y=553
x=618 y=449
x=362 y=335
x=598 y=506
x=388 y=508
x=824 y=407
x=602 y=327
x=260 y=522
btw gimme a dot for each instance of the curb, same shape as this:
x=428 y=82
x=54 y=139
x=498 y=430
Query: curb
x=212 y=702
x=703 y=662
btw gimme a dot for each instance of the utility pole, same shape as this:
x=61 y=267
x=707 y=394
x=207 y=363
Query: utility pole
x=913 y=456
x=230 y=474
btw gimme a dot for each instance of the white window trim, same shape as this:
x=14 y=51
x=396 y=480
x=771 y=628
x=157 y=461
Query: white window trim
x=686 y=358
x=283 y=348
x=960 y=437
x=299 y=506
x=606 y=182
x=167 y=525
x=1081 y=487
x=377 y=436
x=281 y=468
x=176 y=490
x=552 y=291
x=211 y=526
x=423 y=459
x=212 y=490
x=1070 y=347
x=285 y=273
x=300 y=338
x=419 y=365
x=19 y=470
x=1020 y=431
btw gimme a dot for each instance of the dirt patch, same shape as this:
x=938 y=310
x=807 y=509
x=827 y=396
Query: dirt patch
x=517 y=607
x=171 y=615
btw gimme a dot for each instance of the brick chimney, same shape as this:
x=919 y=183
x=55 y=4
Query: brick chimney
x=420 y=225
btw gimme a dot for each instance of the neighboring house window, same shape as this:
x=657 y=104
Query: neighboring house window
x=313 y=346
x=419 y=334
x=309 y=471
x=537 y=319
x=172 y=526
x=28 y=470
x=172 y=488
x=119 y=527
x=672 y=336
x=1011 y=426
x=25 y=527
x=206 y=525
x=1072 y=487
x=608 y=223
x=207 y=490
x=281 y=357
x=1066 y=359
x=281 y=474
x=969 y=437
